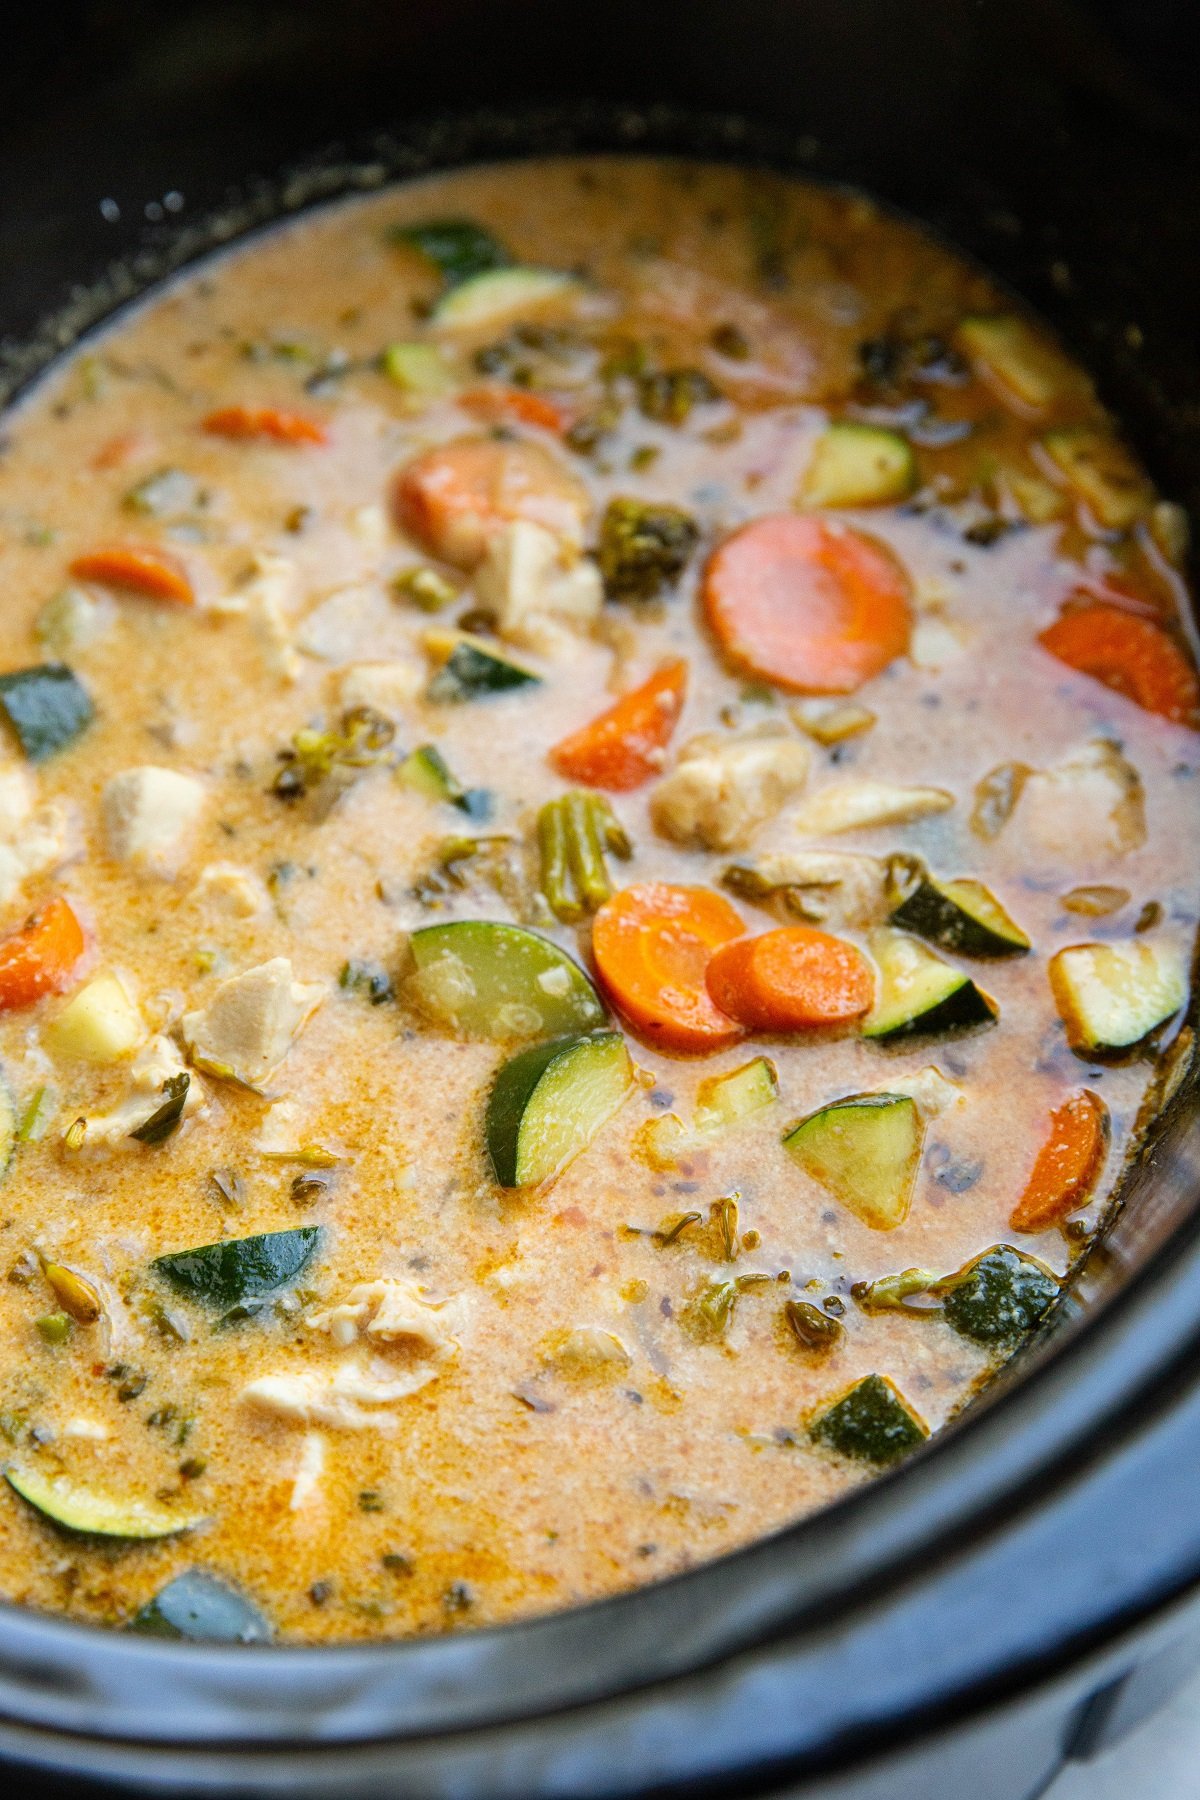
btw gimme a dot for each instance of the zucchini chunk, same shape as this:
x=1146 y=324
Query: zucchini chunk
x=237 y=1269
x=47 y=707
x=479 y=979
x=865 y=1151
x=871 y=1422
x=458 y=248
x=496 y=295
x=1112 y=996
x=1013 y=356
x=1000 y=1297
x=1100 y=471
x=722 y=1101
x=859 y=465
x=202 y=1609
x=78 y=1508
x=427 y=770
x=548 y=1102
x=473 y=672
x=958 y=915
x=920 y=995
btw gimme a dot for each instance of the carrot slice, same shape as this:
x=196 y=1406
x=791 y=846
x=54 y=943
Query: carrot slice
x=624 y=746
x=652 y=945
x=455 y=498
x=791 y=979
x=141 y=568
x=40 y=958
x=807 y=602
x=271 y=422
x=1130 y=654
x=518 y=404
x=1067 y=1165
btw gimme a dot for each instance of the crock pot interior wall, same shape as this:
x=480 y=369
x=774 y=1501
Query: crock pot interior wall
x=1015 y=127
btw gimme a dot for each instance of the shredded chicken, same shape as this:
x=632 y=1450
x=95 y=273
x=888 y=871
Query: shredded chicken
x=306 y=1483
x=353 y=1397
x=251 y=1022
x=720 y=792
x=858 y=805
x=391 y=1311
x=34 y=840
x=537 y=584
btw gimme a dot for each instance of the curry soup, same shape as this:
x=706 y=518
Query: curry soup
x=598 y=859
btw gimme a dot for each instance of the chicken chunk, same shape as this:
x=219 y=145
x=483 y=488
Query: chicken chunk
x=536 y=584
x=251 y=1022
x=157 y=1063
x=1082 y=813
x=352 y=1397
x=858 y=805
x=388 y=688
x=391 y=1311
x=720 y=792
x=347 y=624
x=455 y=498
x=840 y=888
x=266 y=598
x=237 y=892
x=149 y=817
x=34 y=840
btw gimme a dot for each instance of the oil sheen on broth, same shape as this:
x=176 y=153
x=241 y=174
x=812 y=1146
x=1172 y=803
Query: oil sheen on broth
x=564 y=1270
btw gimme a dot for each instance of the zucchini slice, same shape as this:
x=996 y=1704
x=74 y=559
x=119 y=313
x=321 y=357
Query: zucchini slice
x=47 y=707
x=865 y=1151
x=1000 y=1297
x=871 y=1422
x=480 y=979
x=1014 y=357
x=548 y=1102
x=474 y=672
x=859 y=465
x=237 y=1269
x=1100 y=471
x=78 y=1508
x=920 y=995
x=1112 y=996
x=427 y=771
x=497 y=295
x=959 y=915
x=202 y=1609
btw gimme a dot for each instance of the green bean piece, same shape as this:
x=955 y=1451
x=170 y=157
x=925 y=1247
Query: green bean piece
x=552 y=846
x=609 y=828
x=585 y=851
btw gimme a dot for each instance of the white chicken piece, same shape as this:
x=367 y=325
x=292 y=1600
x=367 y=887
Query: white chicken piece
x=841 y=888
x=352 y=1397
x=388 y=688
x=156 y=1063
x=392 y=1311
x=149 y=817
x=266 y=598
x=933 y=1092
x=719 y=792
x=306 y=1483
x=1082 y=813
x=858 y=805
x=232 y=890
x=251 y=1022
x=34 y=840
x=347 y=624
x=537 y=584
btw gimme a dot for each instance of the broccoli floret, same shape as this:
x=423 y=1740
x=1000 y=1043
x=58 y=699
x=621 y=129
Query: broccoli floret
x=1001 y=1297
x=644 y=546
x=871 y=1423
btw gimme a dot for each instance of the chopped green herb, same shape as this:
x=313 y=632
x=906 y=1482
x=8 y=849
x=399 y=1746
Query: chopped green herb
x=426 y=588
x=363 y=738
x=165 y=1120
x=811 y=1328
x=669 y=395
x=370 y=1500
x=38 y=1115
x=46 y=706
x=458 y=248
x=369 y=980
x=54 y=1328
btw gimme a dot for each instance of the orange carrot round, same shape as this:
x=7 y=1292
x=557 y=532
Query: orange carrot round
x=808 y=603
x=1129 y=654
x=270 y=422
x=454 y=498
x=791 y=979
x=139 y=568
x=1066 y=1167
x=652 y=945
x=39 y=959
x=624 y=746
x=497 y=402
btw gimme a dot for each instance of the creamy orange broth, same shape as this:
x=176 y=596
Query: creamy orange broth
x=514 y=1480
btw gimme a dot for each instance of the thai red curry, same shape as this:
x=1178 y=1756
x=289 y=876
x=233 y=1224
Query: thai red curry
x=598 y=802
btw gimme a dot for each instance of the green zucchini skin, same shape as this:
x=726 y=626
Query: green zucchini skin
x=47 y=706
x=79 y=1509
x=920 y=995
x=872 y=1423
x=864 y=1150
x=458 y=248
x=199 y=1608
x=427 y=771
x=961 y=916
x=237 y=1269
x=1000 y=1297
x=483 y=979
x=548 y=1102
x=472 y=672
